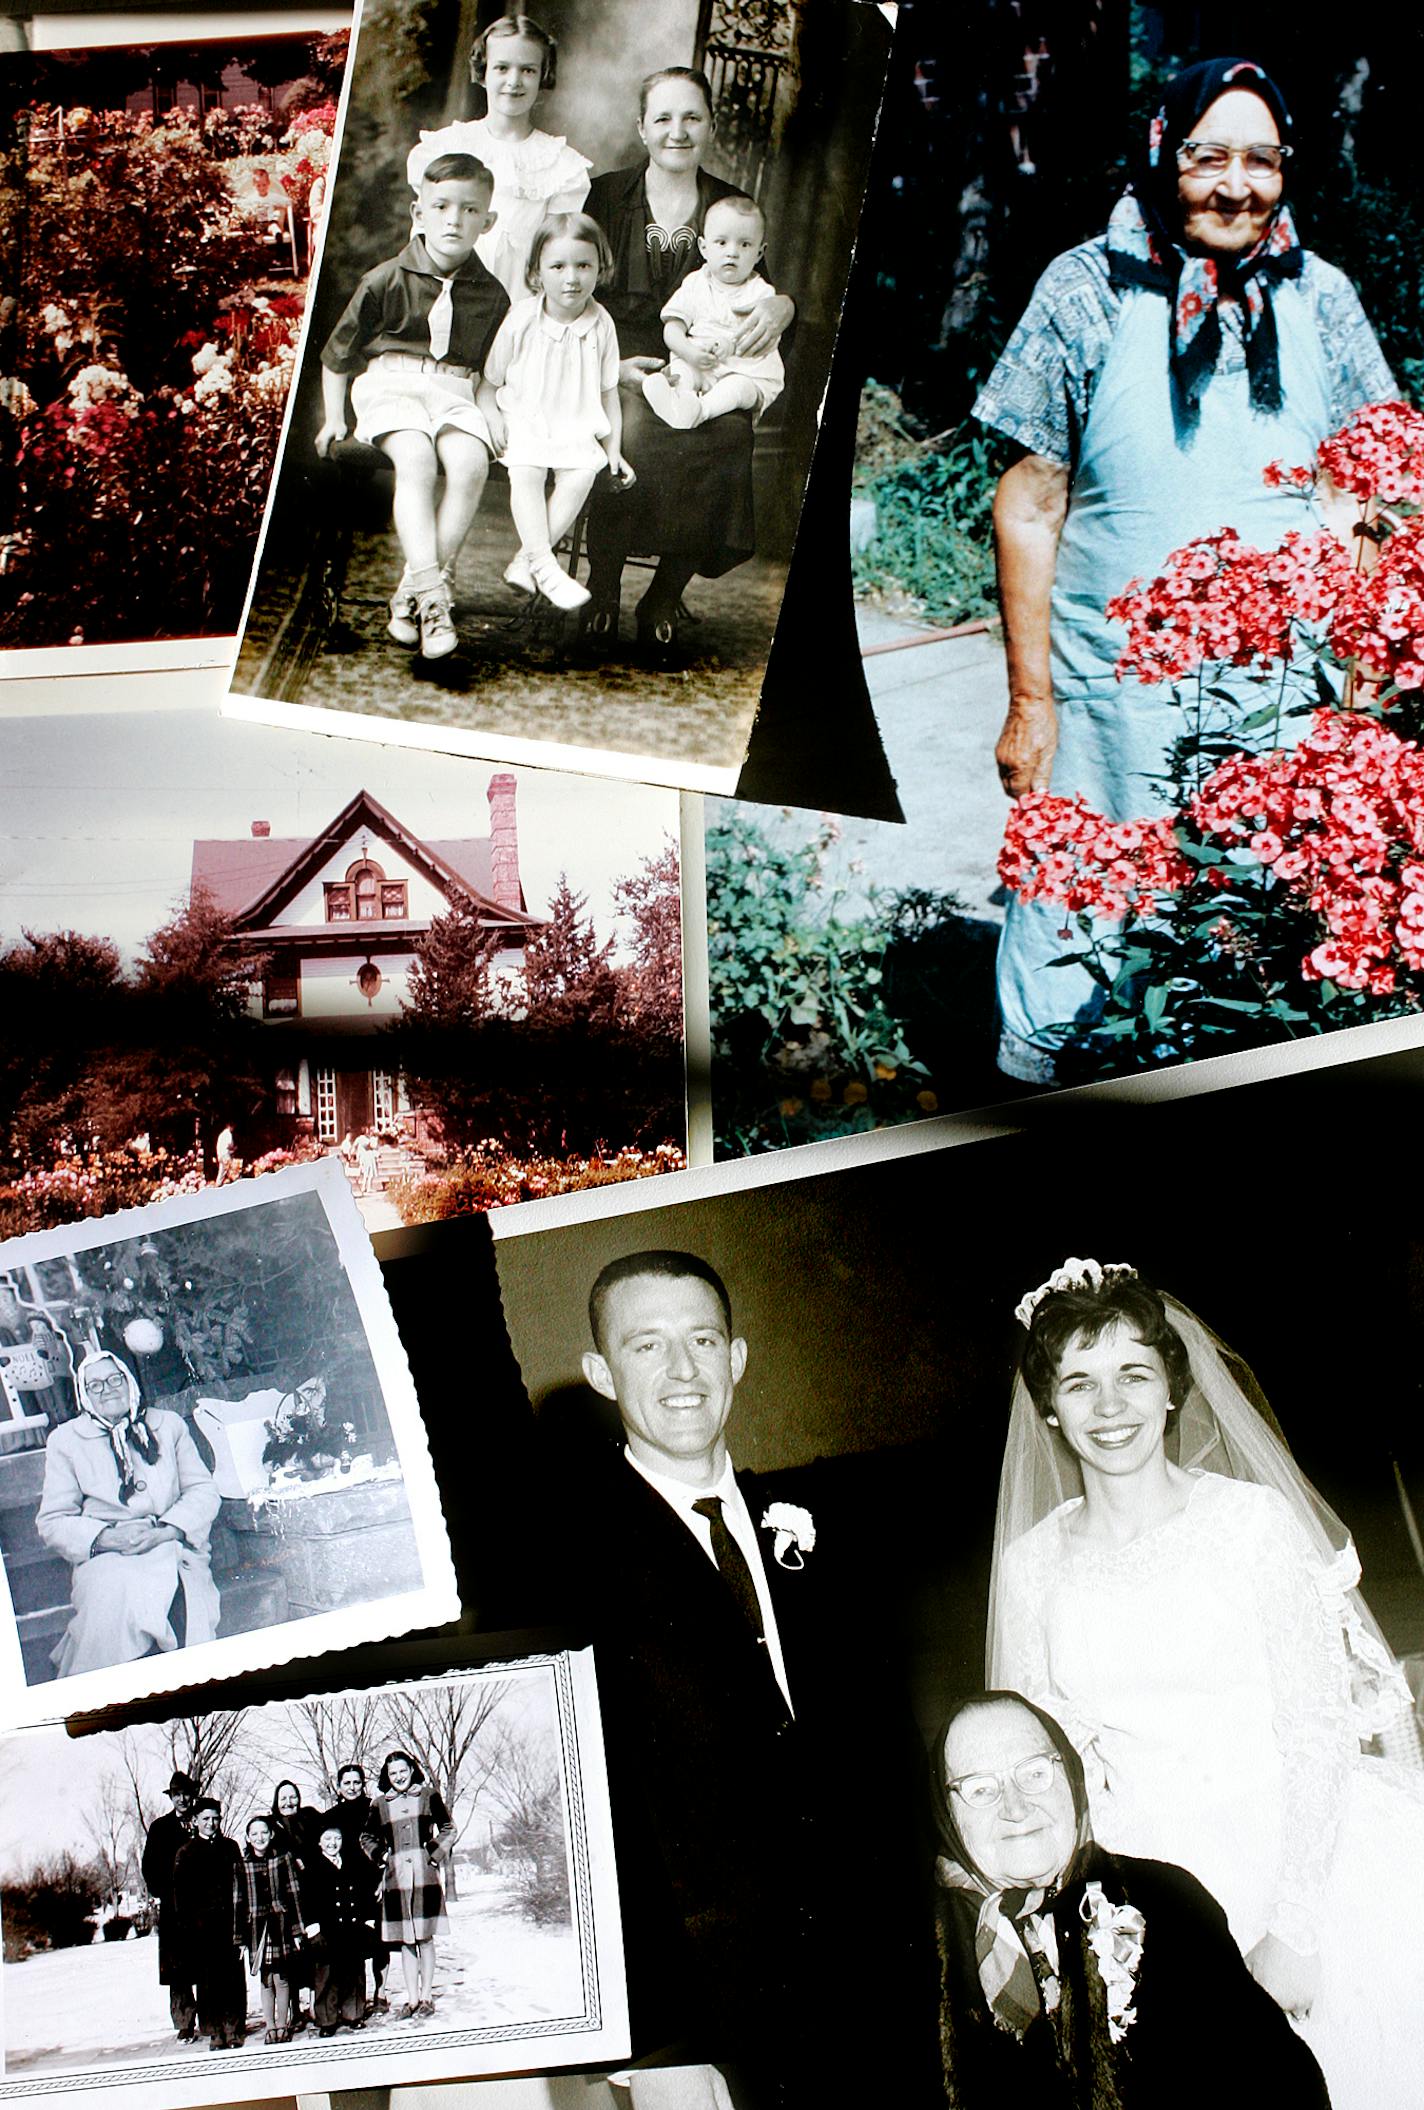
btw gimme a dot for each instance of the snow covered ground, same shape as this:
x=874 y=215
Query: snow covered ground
x=76 y=2008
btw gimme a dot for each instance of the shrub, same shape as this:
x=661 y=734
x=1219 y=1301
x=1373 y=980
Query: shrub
x=48 y=1906
x=934 y=504
x=491 y=1177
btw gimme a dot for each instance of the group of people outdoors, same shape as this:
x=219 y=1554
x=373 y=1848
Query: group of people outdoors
x=1156 y=1844
x=1160 y=369
x=612 y=342
x=303 y=1906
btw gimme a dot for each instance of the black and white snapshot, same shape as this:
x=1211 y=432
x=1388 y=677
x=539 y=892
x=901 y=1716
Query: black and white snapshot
x=211 y=1455
x=410 y=1880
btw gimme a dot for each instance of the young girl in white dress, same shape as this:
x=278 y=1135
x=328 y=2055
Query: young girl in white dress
x=535 y=173
x=550 y=393
x=1172 y=1588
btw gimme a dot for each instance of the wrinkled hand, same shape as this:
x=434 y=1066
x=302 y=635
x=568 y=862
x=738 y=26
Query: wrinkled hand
x=1292 y=1980
x=621 y=472
x=1026 y=748
x=328 y=436
x=631 y=371
x=763 y=326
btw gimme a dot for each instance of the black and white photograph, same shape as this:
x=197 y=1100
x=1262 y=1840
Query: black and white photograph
x=1089 y=1461
x=702 y=163
x=412 y=1880
x=212 y=1457
x=461 y=983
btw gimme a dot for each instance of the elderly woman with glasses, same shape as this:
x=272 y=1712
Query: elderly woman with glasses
x=1074 y=1977
x=1157 y=372
x=128 y=1502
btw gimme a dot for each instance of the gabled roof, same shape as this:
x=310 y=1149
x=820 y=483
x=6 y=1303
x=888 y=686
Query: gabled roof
x=252 y=878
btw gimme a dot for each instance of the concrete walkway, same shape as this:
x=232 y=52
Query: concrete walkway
x=377 y=1213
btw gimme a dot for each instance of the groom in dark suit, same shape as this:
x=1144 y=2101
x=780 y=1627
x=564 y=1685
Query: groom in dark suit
x=764 y=1798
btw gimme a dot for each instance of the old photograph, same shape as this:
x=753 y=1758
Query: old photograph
x=211 y=1457
x=695 y=173
x=1216 y=856
x=159 y=211
x=462 y=983
x=838 y=1476
x=399 y=1882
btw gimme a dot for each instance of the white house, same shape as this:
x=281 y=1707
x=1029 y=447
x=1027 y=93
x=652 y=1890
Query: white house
x=338 y=918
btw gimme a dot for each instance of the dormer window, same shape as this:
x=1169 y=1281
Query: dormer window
x=365 y=895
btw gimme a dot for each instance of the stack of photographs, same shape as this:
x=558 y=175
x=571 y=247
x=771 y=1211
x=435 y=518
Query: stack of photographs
x=711 y=873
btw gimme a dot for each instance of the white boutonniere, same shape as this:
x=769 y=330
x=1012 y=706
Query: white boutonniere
x=795 y=1533
x=1115 y=1935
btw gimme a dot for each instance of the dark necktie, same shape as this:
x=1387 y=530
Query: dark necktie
x=732 y=1563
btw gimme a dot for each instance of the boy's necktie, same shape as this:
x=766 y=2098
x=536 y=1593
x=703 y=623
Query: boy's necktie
x=732 y=1563
x=442 y=319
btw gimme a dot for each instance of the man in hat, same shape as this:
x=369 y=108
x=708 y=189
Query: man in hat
x=166 y=1835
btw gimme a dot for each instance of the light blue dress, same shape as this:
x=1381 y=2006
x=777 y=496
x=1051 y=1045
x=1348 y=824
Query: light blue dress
x=1097 y=399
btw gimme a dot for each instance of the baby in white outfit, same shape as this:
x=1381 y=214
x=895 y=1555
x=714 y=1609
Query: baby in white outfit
x=705 y=377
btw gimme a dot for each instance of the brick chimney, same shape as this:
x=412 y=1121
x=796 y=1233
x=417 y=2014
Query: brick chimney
x=261 y=828
x=504 y=842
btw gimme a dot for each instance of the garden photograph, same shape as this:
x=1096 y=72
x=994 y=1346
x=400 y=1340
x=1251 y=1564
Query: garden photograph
x=159 y=209
x=1136 y=539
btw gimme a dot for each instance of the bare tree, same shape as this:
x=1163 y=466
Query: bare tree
x=455 y=1732
x=210 y=1748
x=109 y=1821
x=325 y=1735
x=526 y=1788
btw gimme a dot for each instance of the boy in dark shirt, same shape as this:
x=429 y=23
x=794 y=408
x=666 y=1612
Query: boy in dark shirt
x=414 y=336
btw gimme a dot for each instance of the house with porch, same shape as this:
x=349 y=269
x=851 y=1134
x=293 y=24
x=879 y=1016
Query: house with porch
x=336 y=920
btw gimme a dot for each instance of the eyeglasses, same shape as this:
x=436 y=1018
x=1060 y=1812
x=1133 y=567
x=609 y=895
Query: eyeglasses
x=1210 y=157
x=1031 y=1776
x=106 y=1384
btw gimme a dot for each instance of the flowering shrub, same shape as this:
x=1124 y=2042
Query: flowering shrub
x=93 y=1185
x=1283 y=893
x=491 y=1177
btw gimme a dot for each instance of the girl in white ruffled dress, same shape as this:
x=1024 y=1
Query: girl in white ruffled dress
x=535 y=173
x=550 y=395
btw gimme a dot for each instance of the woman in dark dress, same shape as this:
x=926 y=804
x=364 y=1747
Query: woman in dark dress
x=296 y=1830
x=1075 y=1979
x=206 y=1876
x=691 y=505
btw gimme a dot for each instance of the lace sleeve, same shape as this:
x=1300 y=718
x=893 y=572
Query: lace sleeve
x=1310 y=1700
x=1020 y=1658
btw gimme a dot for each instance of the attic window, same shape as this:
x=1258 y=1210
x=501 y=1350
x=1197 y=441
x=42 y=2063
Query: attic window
x=365 y=895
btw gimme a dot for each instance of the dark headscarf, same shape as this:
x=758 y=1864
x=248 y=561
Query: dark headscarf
x=1002 y=1960
x=1144 y=246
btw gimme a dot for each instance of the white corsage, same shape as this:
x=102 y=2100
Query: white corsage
x=1115 y=1935
x=795 y=1533
x=1074 y=1274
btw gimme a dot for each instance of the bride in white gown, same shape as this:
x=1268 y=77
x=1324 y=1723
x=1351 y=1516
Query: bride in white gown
x=1170 y=1586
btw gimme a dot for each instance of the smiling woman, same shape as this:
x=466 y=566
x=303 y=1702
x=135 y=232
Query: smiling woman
x=1190 y=1616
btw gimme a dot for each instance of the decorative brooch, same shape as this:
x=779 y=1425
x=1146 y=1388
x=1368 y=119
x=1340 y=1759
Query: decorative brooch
x=1074 y=1274
x=1115 y=1935
x=795 y=1533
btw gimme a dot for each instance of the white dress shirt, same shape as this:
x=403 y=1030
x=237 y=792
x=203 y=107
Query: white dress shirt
x=738 y=1518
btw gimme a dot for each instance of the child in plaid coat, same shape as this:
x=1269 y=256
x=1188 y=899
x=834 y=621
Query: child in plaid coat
x=270 y=1924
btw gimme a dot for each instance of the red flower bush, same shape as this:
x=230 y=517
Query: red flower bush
x=1058 y=849
x=1339 y=820
x=1379 y=453
x=1219 y=600
x=1379 y=619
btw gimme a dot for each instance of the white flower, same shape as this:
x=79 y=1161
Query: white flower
x=1116 y=1934
x=795 y=1533
x=1074 y=1274
x=205 y=358
x=93 y=385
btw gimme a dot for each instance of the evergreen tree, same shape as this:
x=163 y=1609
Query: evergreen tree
x=567 y=977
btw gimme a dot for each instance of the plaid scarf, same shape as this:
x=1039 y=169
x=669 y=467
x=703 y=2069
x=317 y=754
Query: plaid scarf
x=1005 y=1972
x=1139 y=254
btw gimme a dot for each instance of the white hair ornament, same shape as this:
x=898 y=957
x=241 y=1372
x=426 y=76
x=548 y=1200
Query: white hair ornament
x=1074 y=1274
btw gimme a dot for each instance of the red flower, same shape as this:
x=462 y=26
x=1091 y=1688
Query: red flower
x=1220 y=601
x=1378 y=453
x=1057 y=849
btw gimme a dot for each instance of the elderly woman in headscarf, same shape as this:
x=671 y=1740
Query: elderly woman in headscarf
x=1157 y=372
x=128 y=1502
x=1070 y=1976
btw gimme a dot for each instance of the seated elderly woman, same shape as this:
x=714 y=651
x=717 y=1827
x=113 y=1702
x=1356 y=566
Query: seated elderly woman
x=1072 y=1976
x=129 y=1503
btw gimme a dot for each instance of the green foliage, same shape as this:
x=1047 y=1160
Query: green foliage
x=807 y=1039
x=934 y=519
